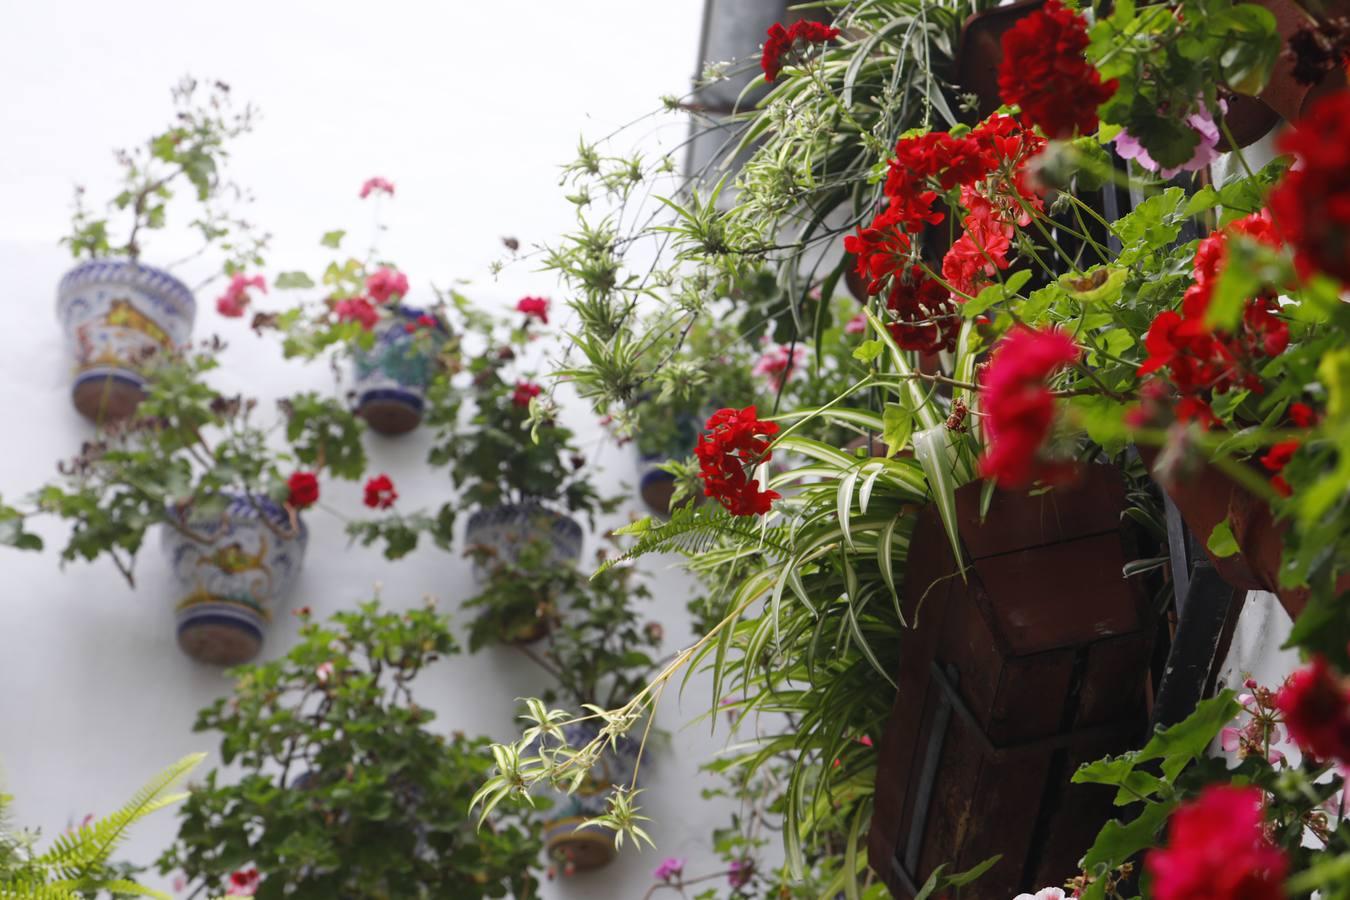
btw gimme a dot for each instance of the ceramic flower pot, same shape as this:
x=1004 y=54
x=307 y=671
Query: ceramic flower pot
x=232 y=570
x=1032 y=660
x=391 y=379
x=504 y=531
x=655 y=485
x=589 y=847
x=119 y=316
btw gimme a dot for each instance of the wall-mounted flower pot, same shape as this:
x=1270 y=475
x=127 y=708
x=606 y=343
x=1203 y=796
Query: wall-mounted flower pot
x=391 y=379
x=505 y=530
x=1034 y=663
x=119 y=316
x=655 y=485
x=589 y=847
x=232 y=569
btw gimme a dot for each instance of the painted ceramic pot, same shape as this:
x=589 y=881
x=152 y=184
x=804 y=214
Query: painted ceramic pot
x=507 y=529
x=393 y=376
x=588 y=847
x=232 y=570
x=119 y=316
x=655 y=485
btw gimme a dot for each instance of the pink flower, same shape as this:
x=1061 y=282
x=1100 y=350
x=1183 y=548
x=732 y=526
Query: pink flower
x=243 y=883
x=1201 y=122
x=377 y=184
x=1019 y=407
x=739 y=872
x=856 y=325
x=357 y=309
x=323 y=672
x=235 y=300
x=779 y=363
x=670 y=867
x=534 y=308
x=1050 y=893
x=386 y=284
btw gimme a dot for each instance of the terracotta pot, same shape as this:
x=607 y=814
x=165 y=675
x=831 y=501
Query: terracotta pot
x=233 y=568
x=565 y=840
x=391 y=379
x=119 y=316
x=1033 y=664
x=1205 y=497
x=506 y=530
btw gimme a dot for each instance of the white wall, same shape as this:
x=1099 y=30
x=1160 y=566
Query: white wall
x=469 y=109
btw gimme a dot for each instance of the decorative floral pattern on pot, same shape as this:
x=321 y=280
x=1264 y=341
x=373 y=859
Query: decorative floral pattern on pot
x=118 y=316
x=232 y=569
x=393 y=376
x=591 y=847
x=507 y=529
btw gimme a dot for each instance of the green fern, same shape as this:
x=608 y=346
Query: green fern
x=697 y=529
x=77 y=863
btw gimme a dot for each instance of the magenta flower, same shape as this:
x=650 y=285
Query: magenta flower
x=385 y=284
x=377 y=185
x=357 y=309
x=739 y=872
x=235 y=300
x=671 y=867
x=779 y=363
x=856 y=325
x=1201 y=122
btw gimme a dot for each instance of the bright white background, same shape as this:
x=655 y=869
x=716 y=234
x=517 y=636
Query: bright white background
x=470 y=109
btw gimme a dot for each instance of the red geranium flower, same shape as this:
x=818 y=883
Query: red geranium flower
x=924 y=318
x=782 y=42
x=385 y=284
x=1316 y=709
x=1311 y=203
x=524 y=392
x=1019 y=408
x=881 y=248
x=304 y=490
x=377 y=185
x=1217 y=850
x=736 y=441
x=1302 y=415
x=235 y=300
x=243 y=883
x=380 y=493
x=1045 y=72
x=357 y=309
x=534 y=308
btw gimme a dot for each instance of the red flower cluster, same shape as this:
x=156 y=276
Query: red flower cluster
x=377 y=185
x=923 y=316
x=244 y=882
x=1200 y=360
x=784 y=41
x=423 y=321
x=1018 y=406
x=922 y=166
x=1316 y=710
x=380 y=493
x=235 y=300
x=1045 y=72
x=736 y=441
x=357 y=309
x=1312 y=202
x=533 y=308
x=303 y=490
x=524 y=392
x=1217 y=850
x=1275 y=459
x=385 y=284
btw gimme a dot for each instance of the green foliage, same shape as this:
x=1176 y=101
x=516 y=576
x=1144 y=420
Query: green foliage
x=77 y=864
x=195 y=149
x=344 y=789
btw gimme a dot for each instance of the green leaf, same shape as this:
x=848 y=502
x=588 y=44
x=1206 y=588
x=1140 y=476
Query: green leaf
x=996 y=293
x=1117 y=842
x=897 y=426
x=868 y=351
x=332 y=238
x=291 y=280
x=1221 y=541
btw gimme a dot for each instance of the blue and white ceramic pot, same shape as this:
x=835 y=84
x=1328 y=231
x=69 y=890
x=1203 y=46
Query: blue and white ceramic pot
x=120 y=316
x=232 y=568
x=565 y=839
x=506 y=530
x=393 y=376
x=655 y=485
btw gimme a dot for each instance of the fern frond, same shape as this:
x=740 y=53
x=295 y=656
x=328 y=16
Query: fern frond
x=696 y=529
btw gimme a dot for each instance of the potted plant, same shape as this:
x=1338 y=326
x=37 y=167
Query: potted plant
x=395 y=350
x=344 y=788
x=122 y=316
x=598 y=650
x=198 y=464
